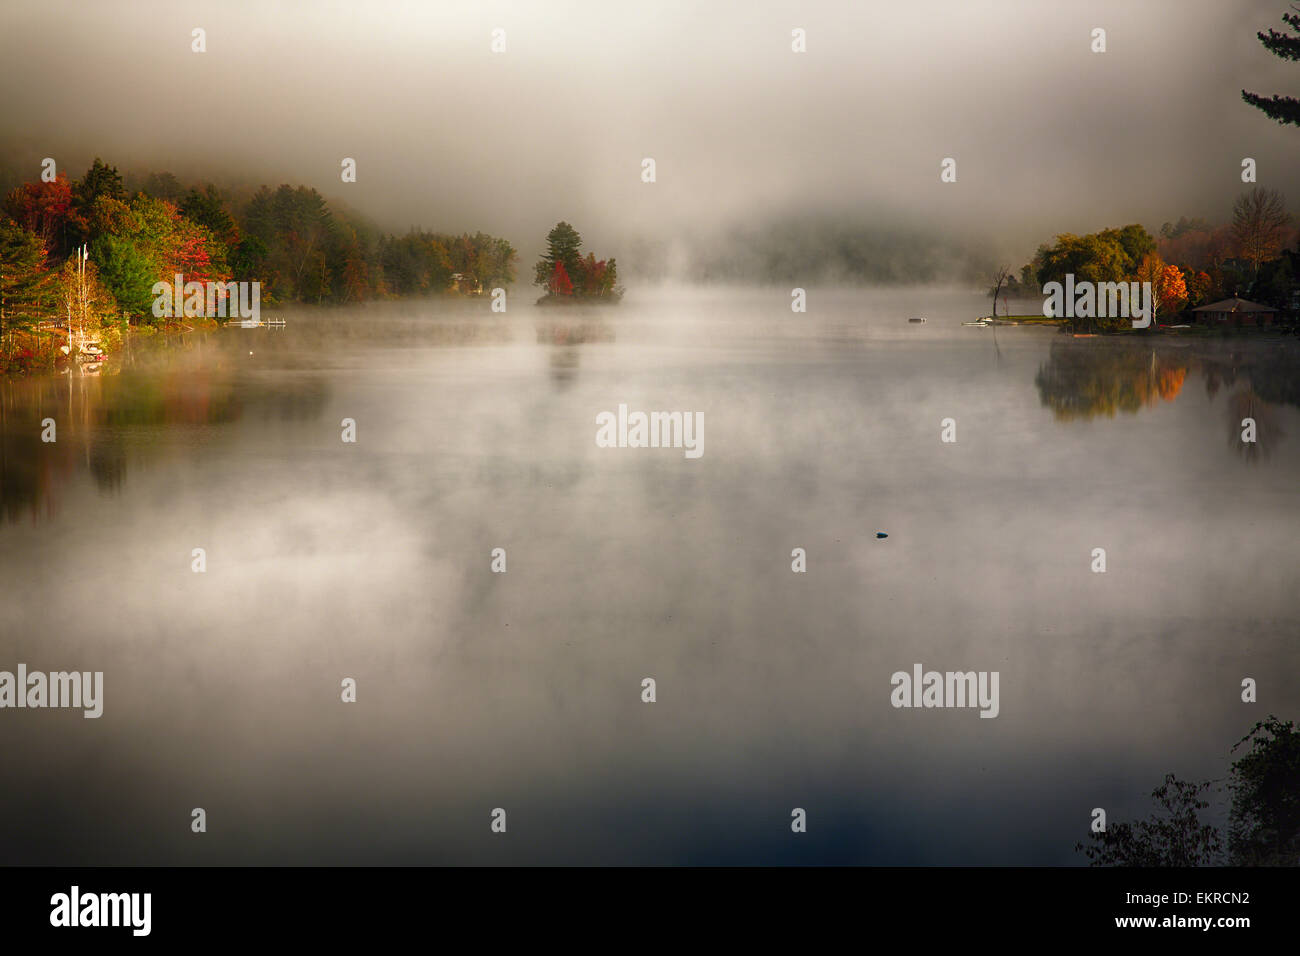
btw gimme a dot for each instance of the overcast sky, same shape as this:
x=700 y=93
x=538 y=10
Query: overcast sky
x=1048 y=136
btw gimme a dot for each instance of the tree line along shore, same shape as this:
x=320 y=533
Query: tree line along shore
x=1236 y=275
x=80 y=259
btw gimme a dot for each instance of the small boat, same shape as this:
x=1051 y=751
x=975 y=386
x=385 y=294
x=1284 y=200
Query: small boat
x=916 y=320
x=979 y=323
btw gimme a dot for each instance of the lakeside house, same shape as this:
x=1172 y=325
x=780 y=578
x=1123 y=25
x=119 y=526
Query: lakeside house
x=1236 y=311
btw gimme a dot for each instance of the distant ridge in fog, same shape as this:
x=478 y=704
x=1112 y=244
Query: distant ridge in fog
x=815 y=250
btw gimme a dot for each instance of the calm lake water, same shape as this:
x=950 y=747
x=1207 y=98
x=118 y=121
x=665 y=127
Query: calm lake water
x=522 y=690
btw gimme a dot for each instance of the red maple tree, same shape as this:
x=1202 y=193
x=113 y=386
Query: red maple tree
x=560 y=283
x=47 y=210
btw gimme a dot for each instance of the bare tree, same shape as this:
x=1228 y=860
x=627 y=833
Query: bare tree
x=999 y=280
x=1259 y=224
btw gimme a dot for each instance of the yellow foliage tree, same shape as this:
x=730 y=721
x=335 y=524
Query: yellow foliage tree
x=89 y=311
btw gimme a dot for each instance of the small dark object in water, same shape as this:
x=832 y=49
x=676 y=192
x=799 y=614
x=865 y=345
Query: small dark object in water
x=881 y=534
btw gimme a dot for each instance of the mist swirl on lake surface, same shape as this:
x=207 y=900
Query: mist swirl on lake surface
x=522 y=690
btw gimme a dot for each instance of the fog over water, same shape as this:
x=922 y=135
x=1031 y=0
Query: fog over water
x=1048 y=136
x=522 y=690
x=476 y=430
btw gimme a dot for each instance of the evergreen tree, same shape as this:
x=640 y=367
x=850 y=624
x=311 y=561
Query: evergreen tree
x=100 y=180
x=1284 y=109
x=25 y=289
x=563 y=245
x=207 y=208
x=127 y=273
x=164 y=186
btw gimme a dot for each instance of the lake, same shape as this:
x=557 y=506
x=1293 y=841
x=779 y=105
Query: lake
x=477 y=690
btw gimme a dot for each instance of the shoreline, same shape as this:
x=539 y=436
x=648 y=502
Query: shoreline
x=37 y=352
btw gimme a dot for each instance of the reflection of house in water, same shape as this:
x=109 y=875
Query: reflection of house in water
x=466 y=284
x=1080 y=382
x=1236 y=311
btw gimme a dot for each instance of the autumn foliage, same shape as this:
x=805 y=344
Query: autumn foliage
x=287 y=239
x=47 y=210
x=569 y=276
x=1079 y=383
x=1168 y=287
x=560 y=283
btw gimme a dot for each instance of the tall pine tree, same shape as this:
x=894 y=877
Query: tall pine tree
x=563 y=245
x=1284 y=109
x=25 y=289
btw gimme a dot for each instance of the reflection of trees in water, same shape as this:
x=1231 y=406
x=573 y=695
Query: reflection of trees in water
x=29 y=468
x=574 y=332
x=95 y=417
x=108 y=465
x=1081 y=381
x=564 y=367
x=566 y=335
x=1274 y=372
x=1246 y=403
x=1261 y=378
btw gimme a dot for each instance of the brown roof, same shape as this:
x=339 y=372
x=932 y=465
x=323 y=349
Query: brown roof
x=1234 y=305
